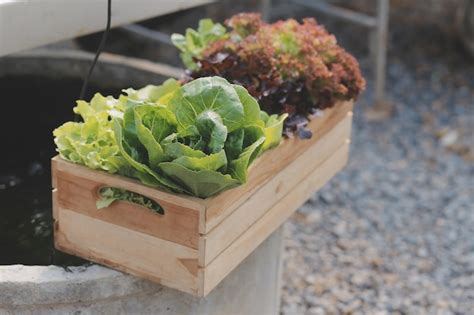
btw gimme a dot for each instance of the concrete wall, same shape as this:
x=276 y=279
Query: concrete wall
x=252 y=288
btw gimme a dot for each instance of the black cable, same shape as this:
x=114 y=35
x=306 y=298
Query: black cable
x=97 y=54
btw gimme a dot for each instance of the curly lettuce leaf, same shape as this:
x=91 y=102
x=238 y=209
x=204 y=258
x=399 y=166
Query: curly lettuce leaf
x=193 y=42
x=92 y=142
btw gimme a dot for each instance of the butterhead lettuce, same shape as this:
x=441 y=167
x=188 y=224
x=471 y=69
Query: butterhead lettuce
x=198 y=138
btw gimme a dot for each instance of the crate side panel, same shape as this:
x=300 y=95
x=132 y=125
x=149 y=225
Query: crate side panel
x=276 y=188
x=257 y=233
x=178 y=224
x=136 y=253
x=269 y=164
x=129 y=184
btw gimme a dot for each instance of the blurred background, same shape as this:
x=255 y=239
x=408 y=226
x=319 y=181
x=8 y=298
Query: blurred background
x=393 y=233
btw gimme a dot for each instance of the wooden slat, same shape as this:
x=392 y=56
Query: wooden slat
x=212 y=274
x=213 y=243
x=55 y=203
x=127 y=183
x=129 y=251
x=266 y=166
x=178 y=224
x=198 y=241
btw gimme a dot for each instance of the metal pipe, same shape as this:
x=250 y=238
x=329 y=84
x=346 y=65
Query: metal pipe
x=349 y=15
x=265 y=8
x=381 y=32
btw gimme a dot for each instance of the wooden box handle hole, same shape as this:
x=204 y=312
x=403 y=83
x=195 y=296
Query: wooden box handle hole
x=106 y=195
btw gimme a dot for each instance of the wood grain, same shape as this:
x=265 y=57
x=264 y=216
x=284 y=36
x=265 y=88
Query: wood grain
x=218 y=269
x=133 y=252
x=107 y=179
x=267 y=165
x=269 y=194
x=197 y=242
x=178 y=224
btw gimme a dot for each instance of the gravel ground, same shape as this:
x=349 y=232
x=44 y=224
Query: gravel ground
x=394 y=232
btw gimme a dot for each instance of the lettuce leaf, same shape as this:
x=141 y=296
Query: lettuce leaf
x=152 y=178
x=211 y=162
x=207 y=94
x=199 y=138
x=152 y=125
x=212 y=130
x=175 y=150
x=238 y=167
x=194 y=42
x=203 y=183
x=152 y=93
x=273 y=130
x=250 y=105
x=110 y=194
x=92 y=142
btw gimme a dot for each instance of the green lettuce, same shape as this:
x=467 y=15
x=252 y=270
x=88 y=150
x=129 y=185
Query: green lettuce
x=92 y=142
x=152 y=93
x=199 y=138
x=110 y=194
x=273 y=129
x=193 y=42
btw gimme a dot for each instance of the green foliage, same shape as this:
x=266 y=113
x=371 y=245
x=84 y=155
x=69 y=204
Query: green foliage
x=273 y=130
x=198 y=139
x=193 y=42
x=207 y=94
x=92 y=142
x=110 y=194
x=288 y=66
x=152 y=93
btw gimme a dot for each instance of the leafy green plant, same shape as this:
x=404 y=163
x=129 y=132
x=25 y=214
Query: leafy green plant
x=199 y=138
x=92 y=142
x=108 y=195
x=289 y=67
x=193 y=42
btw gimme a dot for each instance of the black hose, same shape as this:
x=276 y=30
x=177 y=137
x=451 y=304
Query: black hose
x=97 y=54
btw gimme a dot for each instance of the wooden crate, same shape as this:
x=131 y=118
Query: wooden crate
x=197 y=242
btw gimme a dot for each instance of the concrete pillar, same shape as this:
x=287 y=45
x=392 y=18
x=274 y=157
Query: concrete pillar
x=252 y=288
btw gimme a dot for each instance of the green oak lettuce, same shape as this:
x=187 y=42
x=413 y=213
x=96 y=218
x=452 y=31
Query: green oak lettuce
x=193 y=42
x=198 y=138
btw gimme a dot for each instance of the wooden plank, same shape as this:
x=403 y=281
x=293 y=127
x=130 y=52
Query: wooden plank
x=129 y=251
x=55 y=203
x=54 y=167
x=266 y=166
x=173 y=249
x=212 y=274
x=127 y=183
x=213 y=243
x=178 y=224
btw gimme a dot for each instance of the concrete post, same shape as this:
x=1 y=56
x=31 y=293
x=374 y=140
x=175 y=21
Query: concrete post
x=253 y=288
